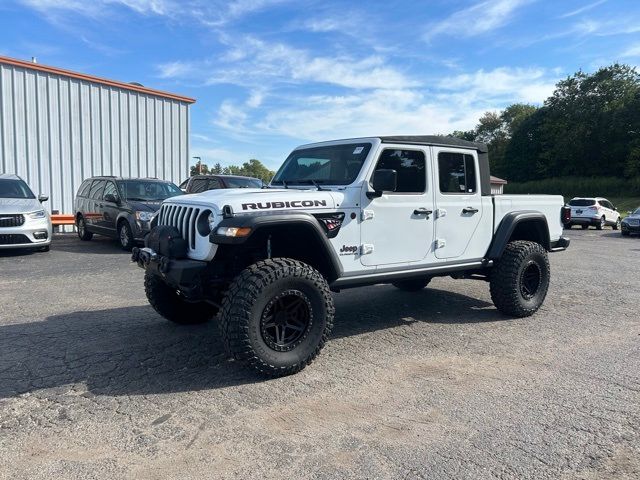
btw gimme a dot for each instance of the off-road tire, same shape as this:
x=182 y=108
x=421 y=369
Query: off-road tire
x=248 y=300
x=166 y=301
x=125 y=238
x=601 y=224
x=413 y=285
x=507 y=278
x=83 y=233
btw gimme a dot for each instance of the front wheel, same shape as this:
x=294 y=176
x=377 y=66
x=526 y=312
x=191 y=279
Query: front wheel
x=125 y=235
x=166 y=301
x=277 y=315
x=520 y=280
x=616 y=225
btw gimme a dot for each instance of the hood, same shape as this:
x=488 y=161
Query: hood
x=253 y=200
x=19 y=205
x=139 y=206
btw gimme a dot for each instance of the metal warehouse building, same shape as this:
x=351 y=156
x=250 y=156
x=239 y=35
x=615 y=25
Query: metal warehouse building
x=59 y=127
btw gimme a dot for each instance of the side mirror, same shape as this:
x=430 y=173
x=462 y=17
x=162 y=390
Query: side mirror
x=384 y=180
x=109 y=197
x=43 y=198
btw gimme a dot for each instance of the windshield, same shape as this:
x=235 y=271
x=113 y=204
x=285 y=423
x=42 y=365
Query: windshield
x=333 y=165
x=582 y=202
x=15 y=189
x=149 y=191
x=243 y=182
x=636 y=211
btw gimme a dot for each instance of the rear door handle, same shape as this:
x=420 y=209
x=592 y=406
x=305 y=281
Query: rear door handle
x=471 y=210
x=422 y=211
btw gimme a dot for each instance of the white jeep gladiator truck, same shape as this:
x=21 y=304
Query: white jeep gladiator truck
x=342 y=214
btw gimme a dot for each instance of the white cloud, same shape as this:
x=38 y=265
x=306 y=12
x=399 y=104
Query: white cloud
x=480 y=18
x=252 y=62
x=583 y=9
x=454 y=103
x=631 y=52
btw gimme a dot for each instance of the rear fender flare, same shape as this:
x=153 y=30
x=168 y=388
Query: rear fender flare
x=535 y=223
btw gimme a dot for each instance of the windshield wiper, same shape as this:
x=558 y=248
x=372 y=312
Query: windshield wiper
x=315 y=183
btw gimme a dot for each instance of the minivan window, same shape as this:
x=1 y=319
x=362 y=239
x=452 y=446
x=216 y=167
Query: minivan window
x=96 y=189
x=243 y=182
x=84 y=188
x=13 y=188
x=149 y=190
x=582 y=202
x=110 y=188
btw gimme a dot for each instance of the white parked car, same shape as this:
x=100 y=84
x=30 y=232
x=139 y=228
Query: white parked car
x=597 y=212
x=24 y=223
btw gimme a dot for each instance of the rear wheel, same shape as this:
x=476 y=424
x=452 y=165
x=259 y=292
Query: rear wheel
x=83 y=233
x=413 y=285
x=166 y=301
x=584 y=227
x=277 y=315
x=601 y=225
x=520 y=280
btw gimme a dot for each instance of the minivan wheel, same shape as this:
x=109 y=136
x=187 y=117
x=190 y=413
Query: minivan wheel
x=602 y=223
x=83 y=233
x=125 y=235
x=277 y=315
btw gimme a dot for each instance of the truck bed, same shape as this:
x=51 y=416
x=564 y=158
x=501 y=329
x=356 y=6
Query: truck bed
x=549 y=205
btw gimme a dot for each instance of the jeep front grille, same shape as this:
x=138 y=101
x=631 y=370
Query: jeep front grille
x=183 y=218
x=11 y=220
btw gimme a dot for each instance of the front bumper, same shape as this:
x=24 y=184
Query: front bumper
x=626 y=227
x=177 y=273
x=32 y=234
x=141 y=230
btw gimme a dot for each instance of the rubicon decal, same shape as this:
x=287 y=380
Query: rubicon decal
x=292 y=204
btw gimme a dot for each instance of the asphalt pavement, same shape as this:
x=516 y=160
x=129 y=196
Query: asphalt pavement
x=435 y=384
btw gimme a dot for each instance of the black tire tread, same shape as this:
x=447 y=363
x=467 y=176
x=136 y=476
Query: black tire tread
x=166 y=302
x=503 y=282
x=125 y=224
x=245 y=290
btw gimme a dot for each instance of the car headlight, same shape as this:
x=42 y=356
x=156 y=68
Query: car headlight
x=37 y=214
x=144 y=216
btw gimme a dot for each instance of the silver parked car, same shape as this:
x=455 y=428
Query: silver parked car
x=23 y=221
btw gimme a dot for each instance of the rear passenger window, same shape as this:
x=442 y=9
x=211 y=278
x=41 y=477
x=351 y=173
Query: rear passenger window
x=84 y=188
x=410 y=167
x=214 y=184
x=457 y=173
x=198 y=185
x=96 y=189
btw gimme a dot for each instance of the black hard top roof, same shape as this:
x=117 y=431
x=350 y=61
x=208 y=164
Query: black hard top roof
x=438 y=140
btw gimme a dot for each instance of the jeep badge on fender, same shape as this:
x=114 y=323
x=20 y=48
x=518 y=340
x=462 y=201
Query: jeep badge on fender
x=344 y=214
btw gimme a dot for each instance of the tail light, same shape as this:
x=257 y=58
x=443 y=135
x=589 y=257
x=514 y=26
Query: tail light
x=565 y=214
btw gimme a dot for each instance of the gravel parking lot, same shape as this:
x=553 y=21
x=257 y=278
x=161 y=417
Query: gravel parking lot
x=436 y=384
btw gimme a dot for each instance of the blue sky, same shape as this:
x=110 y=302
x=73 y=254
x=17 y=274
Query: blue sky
x=271 y=74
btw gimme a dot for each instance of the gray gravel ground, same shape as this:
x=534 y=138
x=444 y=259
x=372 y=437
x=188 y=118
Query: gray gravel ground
x=436 y=384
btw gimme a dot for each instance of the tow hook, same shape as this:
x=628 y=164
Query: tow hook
x=143 y=256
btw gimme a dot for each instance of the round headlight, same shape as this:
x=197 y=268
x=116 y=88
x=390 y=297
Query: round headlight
x=204 y=222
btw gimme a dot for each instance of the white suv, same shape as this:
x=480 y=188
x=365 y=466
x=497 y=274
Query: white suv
x=596 y=211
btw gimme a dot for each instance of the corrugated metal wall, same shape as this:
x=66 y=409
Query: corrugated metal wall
x=55 y=131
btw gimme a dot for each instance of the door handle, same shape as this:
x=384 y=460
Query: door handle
x=470 y=210
x=422 y=211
